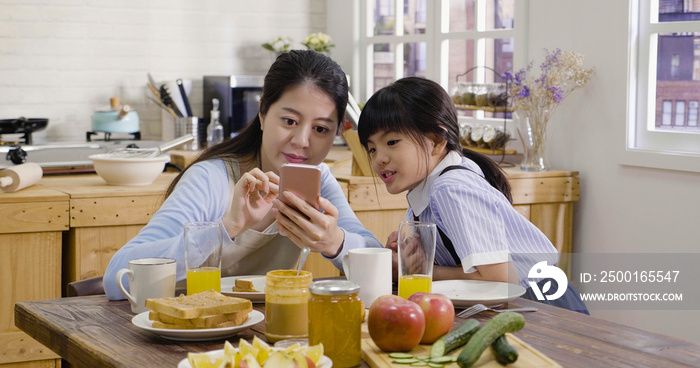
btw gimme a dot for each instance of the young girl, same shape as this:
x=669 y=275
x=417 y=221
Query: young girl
x=411 y=134
x=236 y=182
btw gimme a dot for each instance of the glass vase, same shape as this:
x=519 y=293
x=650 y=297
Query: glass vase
x=533 y=135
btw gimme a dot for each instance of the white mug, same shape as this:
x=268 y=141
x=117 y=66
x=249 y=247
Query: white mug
x=148 y=278
x=371 y=269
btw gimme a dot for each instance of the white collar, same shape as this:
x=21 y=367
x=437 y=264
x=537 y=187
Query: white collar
x=419 y=197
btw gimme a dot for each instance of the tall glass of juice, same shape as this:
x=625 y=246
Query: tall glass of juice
x=416 y=257
x=203 y=244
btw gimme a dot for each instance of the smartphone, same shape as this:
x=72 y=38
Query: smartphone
x=302 y=180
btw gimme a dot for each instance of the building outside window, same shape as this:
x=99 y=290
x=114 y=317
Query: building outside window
x=439 y=40
x=661 y=129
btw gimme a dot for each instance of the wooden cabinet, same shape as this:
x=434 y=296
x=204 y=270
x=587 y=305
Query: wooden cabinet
x=102 y=219
x=31 y=229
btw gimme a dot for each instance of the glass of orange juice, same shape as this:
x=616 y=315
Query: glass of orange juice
x=416 y=256
x=203 y=244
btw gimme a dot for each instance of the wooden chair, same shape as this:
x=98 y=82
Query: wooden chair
x=91 y=286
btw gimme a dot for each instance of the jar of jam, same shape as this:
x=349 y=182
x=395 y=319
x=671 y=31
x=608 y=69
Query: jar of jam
x=335 y=319
x=286 y=305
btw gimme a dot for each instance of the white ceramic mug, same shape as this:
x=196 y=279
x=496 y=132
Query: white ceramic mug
x=148 y=278
x=371 y=269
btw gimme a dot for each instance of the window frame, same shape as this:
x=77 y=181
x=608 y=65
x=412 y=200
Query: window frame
x=670 y=150
x=436 y=39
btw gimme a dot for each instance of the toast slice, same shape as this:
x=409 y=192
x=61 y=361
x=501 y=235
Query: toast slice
x=243 y=285
x=203 y=304
x=158 y=324
x=201 y=322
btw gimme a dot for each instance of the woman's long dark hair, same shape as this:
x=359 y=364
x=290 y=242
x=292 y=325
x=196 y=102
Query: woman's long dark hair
x=289 y=70
x=416 y=107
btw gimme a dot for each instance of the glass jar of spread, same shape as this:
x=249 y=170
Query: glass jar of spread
x=335 y=317
x=286 y=305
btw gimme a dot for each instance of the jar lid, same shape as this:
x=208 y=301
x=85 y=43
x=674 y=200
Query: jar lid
x=334 y=287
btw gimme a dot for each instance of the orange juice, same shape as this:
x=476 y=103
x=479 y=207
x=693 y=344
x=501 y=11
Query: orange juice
x=411 y=284
x=203 y=279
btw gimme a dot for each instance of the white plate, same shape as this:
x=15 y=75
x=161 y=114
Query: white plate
x=141 y=320
x=325 y=361
x=227 y=284
x=465 y=293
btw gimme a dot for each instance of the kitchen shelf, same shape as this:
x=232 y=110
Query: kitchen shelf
x=483 y=108
x=490 y=151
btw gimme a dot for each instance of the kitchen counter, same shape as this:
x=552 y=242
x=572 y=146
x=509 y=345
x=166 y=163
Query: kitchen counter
x=33 y=221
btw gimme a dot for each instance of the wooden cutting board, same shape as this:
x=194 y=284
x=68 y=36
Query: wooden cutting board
x=528 y=356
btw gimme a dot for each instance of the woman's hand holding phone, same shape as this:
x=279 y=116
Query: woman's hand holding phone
x=307 y=226
x=252 y=200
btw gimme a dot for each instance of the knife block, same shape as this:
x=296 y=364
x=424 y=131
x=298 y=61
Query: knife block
x=20 y=177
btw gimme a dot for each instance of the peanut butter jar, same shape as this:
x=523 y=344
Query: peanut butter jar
x=286 y=305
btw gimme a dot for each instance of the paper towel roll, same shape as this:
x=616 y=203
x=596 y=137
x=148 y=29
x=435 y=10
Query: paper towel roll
x=20 y=176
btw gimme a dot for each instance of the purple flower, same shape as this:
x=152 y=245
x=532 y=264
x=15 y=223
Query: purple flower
x=524 y=92
x=557 y=94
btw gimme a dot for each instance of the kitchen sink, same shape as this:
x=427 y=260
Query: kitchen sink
x=67 y=157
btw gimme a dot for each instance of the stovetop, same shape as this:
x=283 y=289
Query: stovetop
x=66 y=157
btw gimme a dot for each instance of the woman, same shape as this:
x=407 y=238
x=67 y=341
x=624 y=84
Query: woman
x=236 y=182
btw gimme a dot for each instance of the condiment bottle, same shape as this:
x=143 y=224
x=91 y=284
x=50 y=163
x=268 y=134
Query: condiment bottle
x=286 y=305
x=215 y=131
x=335 y=319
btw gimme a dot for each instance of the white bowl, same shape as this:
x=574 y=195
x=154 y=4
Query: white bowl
x=128 y=171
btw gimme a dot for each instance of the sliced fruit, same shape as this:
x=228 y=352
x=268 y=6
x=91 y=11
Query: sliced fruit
x=204 y=360
x=249 y=361
x=244 y=347
x=315 y=352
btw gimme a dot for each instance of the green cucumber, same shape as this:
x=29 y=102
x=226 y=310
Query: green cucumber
x=405 y=361
x=400 y=355
x=423 y=357
x=435 y=365
x=504 y=352
x=442 y=360
x=420 y=363
x=497 y=326
x=454 y=339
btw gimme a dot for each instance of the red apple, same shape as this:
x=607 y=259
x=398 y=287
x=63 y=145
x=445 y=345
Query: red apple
x=439 y=315
x=395 y=324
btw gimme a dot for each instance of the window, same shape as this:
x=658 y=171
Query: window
x=438 y=40
x=660 y=131
x=667 y=113
x=675 y=62
x=693 y=114
x=680 y=114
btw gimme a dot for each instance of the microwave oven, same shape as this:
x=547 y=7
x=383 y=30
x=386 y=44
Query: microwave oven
x=239 y=98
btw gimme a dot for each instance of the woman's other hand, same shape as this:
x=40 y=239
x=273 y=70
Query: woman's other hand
x=252 y=200
x=309 y=227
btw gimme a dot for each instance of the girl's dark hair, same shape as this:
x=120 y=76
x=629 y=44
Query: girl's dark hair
x=290 y=69
x=416 y=107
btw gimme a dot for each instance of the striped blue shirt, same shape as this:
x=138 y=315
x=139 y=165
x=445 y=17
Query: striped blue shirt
x=478 y=219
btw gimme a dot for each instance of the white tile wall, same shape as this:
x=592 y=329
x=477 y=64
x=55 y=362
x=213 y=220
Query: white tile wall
x=63 y=59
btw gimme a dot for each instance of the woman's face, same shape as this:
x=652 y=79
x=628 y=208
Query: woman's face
x=298 y=128
x=399 y=161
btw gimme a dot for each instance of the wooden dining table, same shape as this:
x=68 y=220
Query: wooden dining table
x=92 y=331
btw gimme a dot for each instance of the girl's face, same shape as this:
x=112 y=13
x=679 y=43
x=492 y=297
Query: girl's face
x=401 y=162
x=298 y=128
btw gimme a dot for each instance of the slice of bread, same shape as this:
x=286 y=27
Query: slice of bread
x=203 y=304
x=243 y=285
x=158 y=324
x=201 y=322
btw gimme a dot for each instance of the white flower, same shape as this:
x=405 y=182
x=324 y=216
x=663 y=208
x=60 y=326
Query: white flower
x=319 y=41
